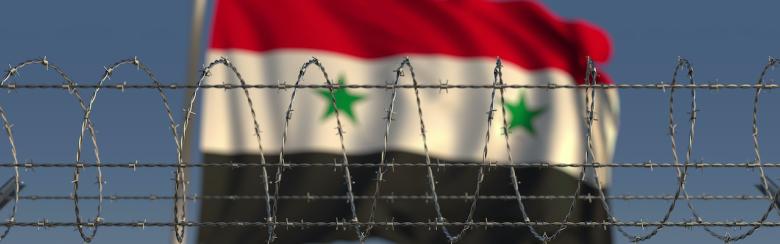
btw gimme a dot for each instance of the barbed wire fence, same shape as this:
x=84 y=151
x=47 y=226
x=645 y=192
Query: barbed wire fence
x=272 y=172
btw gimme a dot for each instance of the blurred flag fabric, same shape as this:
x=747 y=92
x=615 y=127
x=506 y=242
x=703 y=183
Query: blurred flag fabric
x=363 y=42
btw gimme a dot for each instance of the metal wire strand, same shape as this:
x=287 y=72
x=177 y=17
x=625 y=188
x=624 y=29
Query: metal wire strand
x=264 y=172
x=17 y=179
x=727 y=238
x=86 y=125
x=390 y=112
x=340 y=130
x=166 y=105
x=134 y=165
x=302 y=224
x=544 y=237
x=430 y=176
x=393 y=197
x=681 y=176
x=551 y=85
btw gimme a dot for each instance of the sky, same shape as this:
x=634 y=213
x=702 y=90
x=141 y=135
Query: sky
x=725 y=41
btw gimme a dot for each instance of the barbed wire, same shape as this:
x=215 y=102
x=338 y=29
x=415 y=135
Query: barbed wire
x=45 y=223
x=465 y=196
x=362 y=228
x=137 y=165
x=444 y=86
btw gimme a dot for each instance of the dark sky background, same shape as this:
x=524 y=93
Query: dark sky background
x=726 y=41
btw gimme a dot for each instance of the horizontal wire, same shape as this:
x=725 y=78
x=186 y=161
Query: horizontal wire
x=310 y=197
x=282 y=86
x=133 y=165
x=390 y=224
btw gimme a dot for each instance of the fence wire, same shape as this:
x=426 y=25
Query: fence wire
x=392 y=197
x=271 y=181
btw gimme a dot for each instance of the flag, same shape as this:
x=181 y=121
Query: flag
x=364 y=43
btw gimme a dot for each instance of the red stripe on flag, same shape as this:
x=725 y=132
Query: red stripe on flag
x=523 y=32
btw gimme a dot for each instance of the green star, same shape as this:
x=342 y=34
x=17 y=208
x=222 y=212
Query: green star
x=344 y=101
x=522 y=116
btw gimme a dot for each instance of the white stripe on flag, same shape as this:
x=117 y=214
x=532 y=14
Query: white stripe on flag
x=455 y=120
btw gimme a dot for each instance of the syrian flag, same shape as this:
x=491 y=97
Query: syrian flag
x=364 y=43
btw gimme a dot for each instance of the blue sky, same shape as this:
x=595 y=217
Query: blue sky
x=726 y=41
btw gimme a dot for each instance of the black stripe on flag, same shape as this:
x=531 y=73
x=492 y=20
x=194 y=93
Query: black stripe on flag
x=400 y=180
